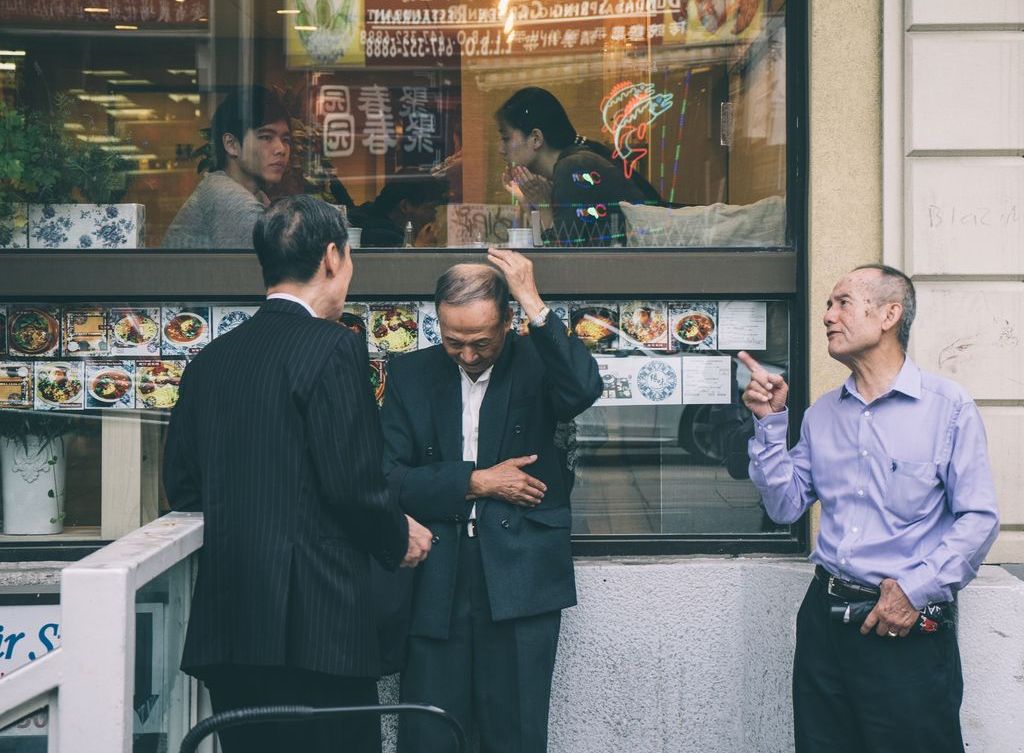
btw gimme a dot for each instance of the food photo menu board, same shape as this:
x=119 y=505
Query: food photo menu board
x=111 y=357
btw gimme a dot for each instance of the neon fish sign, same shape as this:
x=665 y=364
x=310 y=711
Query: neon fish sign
x=627 y=113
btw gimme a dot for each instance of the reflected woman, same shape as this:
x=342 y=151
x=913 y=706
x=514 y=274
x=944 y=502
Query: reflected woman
x=575 y=183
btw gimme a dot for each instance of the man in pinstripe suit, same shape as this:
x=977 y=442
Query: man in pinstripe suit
x=276 y=439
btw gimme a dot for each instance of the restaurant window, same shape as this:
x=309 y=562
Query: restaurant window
x=646 y=153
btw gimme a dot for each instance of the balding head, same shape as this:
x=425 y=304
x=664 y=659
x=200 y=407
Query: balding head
x=885 y=284
x=468 y=283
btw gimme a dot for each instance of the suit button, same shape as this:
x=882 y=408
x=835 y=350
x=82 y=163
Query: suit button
x=517 y=429
x=429 y=450
x=434 y=539
x=506 y=524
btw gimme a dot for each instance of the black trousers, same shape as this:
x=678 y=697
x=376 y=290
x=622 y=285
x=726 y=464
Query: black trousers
x=856 y=693
x=494 y=677
x=236 y=687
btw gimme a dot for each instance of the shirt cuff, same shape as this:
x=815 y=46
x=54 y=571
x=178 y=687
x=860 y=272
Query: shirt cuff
x=773 y=428
x=921 y=589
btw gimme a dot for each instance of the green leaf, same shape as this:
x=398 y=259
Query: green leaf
x=323 y=14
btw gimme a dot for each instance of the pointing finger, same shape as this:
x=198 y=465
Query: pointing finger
x=749 y=362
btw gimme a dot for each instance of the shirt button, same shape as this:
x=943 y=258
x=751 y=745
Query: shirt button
x=860 y=492
x=855 y=530
x=863 y=453
x=844 y=562
x=757 y=463
x=867 y=414
x=517 y=429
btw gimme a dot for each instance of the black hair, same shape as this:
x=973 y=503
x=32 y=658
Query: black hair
x=538 y=108
x=897 y=287
x=465 y=283
x=292 y=236
x=417 y=191
x=243 y=110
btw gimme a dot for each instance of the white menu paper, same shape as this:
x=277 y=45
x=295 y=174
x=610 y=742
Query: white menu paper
x=639 y=380
x=707 y=380
x=742 y=325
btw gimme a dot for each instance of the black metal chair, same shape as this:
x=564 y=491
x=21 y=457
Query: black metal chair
x=259 y=714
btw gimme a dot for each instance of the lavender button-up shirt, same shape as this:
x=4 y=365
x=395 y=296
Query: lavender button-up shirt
x=904 y=482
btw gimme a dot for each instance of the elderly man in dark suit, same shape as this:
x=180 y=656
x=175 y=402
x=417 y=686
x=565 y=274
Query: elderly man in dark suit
x=276 y=438
x=469 y=451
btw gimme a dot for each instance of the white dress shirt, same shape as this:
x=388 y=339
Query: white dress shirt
x=293 y=299
x=472 y=398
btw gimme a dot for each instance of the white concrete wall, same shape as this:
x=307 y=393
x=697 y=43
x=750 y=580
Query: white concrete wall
x=694 y=656
x=954 y=210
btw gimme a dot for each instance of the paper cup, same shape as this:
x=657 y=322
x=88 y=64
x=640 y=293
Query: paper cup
x=520 y=237
x=355 y=235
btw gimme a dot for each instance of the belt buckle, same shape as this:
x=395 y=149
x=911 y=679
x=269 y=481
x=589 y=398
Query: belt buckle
x=471 y=528
x=831 y=582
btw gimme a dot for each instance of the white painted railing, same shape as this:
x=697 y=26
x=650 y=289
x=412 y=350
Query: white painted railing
x=88 y=681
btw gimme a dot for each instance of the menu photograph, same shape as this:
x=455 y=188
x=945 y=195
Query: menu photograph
x=596 y=325
x=393 y=327
x=430 y=328
x=134 y=331
x=157 y=382
x=110 y=384
x=643 y=325
x=694 y=325
x=85 y=332
x=185 y=330
x=226 y=318
x=15 y=384
x=59 y=385
x=33 y=331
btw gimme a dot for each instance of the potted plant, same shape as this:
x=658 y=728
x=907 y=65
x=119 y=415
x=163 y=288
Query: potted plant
x=43 y=171
x=33 y=470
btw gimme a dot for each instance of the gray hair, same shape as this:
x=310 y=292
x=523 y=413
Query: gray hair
x=465 y=283
x=896 y=287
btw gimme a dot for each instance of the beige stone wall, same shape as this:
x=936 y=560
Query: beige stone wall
x=845 y=202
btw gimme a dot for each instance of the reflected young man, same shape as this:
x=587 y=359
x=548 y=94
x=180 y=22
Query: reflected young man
x=898 y=459
x=469 y=451
x=276 y=439
x=251 y=141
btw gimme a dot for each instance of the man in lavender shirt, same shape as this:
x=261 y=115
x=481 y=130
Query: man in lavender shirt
x=898 y=459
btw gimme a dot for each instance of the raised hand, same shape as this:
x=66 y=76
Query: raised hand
x=518 y=271
x=527 y=186
x=766 y=393
x=507 y=481
x=420 y=540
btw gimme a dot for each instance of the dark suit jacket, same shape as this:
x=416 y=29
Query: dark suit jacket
x=276 y=439
x=537 y=381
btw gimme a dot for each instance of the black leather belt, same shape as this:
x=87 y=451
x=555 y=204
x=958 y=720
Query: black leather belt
x=846 y=590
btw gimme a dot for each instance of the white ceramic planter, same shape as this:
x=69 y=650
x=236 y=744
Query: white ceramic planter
x=14 y=230
x=33 y=486
x=89 y=227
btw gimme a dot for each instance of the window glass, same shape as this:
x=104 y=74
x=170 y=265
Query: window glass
x=636 y=122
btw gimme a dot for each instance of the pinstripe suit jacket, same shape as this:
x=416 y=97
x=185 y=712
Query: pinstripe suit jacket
x=276 y=439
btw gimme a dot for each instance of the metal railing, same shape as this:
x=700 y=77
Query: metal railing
x=88 y=682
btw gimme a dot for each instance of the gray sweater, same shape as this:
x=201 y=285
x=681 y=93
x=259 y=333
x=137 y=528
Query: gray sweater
x=220 y=213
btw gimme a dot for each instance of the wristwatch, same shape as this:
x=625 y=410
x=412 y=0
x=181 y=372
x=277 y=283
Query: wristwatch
x=538 y=321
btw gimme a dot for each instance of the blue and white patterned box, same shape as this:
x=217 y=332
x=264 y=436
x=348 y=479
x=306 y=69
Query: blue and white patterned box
x=86 y=226
x=14 y=229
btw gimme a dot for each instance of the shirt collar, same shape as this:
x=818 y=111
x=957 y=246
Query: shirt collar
x=482 y=379
x=293 y=299
x=907 y=382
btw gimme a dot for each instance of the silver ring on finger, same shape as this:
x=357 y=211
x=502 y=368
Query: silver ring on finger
x=893 y=634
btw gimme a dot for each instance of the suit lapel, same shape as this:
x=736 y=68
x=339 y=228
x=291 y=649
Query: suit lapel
x=447 y=408
x=494 y=410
